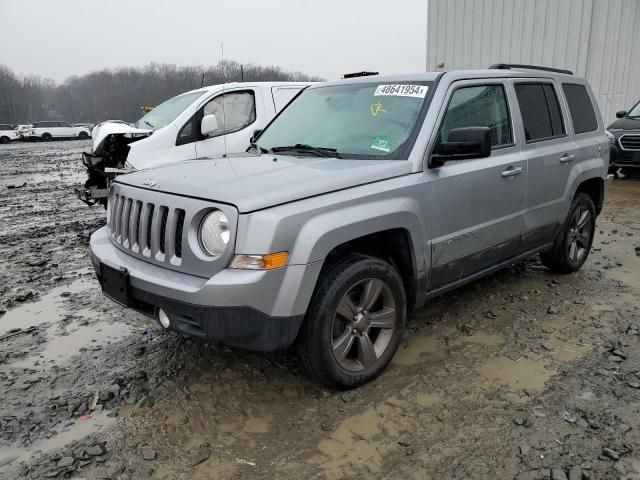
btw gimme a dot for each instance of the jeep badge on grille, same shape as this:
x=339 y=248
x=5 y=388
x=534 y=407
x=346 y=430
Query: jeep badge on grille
x=150 y=183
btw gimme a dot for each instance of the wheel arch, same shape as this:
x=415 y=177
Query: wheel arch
x=390 y=229
x=595 y=188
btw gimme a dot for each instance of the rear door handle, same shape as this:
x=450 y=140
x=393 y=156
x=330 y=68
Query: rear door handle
x=512 y=172
x=567 y=158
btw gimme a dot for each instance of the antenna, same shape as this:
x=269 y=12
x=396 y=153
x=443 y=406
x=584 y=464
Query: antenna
x=224 y=118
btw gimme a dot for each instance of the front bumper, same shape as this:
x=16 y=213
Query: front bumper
x=257 y=310
x=624 y=158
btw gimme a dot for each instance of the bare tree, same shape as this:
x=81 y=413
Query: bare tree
x=119 y=93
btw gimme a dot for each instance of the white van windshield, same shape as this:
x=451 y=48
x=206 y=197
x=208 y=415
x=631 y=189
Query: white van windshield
x=166 y=112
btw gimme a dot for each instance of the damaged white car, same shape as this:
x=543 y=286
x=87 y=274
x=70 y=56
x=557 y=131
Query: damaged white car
x=201 y=123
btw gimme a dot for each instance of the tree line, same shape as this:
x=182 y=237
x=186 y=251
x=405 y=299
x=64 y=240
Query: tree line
x=118 y=94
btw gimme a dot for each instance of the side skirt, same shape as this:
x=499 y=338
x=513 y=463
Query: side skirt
x=475 y=276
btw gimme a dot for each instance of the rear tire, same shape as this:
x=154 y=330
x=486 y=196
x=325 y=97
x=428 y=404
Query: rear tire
x=83 y=135
x=4 y=140
x=573 y=243
x=354 y=323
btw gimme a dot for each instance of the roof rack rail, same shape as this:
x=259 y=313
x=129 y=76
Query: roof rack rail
x=509 y=66
x=359 y=74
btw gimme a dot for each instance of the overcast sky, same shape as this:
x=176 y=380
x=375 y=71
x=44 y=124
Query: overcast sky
x=56 y=39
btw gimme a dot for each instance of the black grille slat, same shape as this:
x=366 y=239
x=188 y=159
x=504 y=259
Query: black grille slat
x=149 y=223
x=137 y=220
x=163 y=228
x=178 y=237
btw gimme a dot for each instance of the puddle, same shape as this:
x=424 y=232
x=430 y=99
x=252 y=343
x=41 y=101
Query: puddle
x=354 y=446
x=483 y=338
x=257 y=424
x=212 y=468
x=80 y=429
x=603 y=308
x=565 y=351
x=522 y=374
x=421 y=348
x=48 y=308
x=60 y=348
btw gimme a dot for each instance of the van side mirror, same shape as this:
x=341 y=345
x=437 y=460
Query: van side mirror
x=462 y=144
x=621 y=114
x=208 y=125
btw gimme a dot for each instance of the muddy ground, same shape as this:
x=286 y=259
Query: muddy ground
x=521 y=375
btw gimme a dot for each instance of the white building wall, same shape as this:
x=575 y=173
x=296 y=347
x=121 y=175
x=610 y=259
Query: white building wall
x=596 y=39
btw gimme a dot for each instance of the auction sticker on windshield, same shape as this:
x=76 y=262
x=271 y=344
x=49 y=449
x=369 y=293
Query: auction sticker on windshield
x=417 y=91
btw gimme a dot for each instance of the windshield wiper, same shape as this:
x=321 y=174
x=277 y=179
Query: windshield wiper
x=149 y=123
x=302 y=148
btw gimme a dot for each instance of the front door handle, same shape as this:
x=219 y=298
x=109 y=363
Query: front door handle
x=512 y=172
x=566 y=158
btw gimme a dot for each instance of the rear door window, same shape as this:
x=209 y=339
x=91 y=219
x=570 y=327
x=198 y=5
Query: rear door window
x=583 y=116
x=540 y=110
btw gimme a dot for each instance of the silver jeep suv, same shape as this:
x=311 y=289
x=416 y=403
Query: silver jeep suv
x=361 y=201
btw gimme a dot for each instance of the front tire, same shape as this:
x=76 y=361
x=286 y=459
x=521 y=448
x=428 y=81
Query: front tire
x=573 y=244
x=354 y=323
x=83 y=135
x=46 y=137
x=4 y=140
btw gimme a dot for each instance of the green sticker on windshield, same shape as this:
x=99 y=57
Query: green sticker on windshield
x=382 y=143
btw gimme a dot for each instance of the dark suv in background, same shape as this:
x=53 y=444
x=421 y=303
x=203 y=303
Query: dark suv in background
x=624 y=135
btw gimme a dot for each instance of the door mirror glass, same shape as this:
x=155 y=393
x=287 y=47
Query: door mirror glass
x=621 y=114
x=208 y=125
x=464 y=144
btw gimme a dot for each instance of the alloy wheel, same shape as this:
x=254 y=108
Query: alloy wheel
x=579 y=236
x=363 y=325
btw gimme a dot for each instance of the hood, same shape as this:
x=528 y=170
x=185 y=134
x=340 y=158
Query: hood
x=253 y=182
x=103 y=130
x=625 y=124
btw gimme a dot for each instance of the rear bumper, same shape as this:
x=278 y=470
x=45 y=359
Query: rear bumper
x=258 y=310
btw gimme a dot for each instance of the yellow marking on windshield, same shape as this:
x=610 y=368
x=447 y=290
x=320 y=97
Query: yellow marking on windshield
x=376 y=108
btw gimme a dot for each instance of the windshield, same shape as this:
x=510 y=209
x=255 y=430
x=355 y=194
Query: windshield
x=635 y=111
x=166 y=112
x=358 y=120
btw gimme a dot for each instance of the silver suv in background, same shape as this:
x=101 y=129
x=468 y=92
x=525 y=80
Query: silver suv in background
x=362 y=200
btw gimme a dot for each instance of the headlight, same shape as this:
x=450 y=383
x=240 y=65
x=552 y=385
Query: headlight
x=214 y=233
x=612 y=138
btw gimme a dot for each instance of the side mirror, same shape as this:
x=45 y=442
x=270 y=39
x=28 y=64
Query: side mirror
x=463 y=144
x=621 y=114
x=208 y=125
x=256 y=134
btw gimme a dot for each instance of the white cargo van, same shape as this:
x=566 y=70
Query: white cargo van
x=206 y=122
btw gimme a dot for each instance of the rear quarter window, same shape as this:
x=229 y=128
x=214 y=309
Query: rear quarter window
x=540 y=110
x=583 y=116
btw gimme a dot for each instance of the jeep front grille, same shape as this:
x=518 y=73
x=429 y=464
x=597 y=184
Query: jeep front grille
x=161 y=228
x=154 y=231
x=630 y=142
